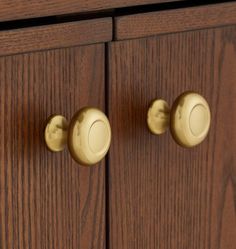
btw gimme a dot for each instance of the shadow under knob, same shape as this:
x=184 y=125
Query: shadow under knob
x=88 y=135
x=189 y=118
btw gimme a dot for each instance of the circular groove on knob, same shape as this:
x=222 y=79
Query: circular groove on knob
x=97 y=145
x=198 y=120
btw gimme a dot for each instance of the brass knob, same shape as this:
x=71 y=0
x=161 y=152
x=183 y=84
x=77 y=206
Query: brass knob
x=88 y=135
x=189 y=118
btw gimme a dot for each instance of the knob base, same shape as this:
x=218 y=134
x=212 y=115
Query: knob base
x=158 y=117
x=56 y=132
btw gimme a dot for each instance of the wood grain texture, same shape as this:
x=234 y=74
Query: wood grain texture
x=162 y=195
x=22 y=9
x=169 y=21
x=46 y=199
x=55 y=36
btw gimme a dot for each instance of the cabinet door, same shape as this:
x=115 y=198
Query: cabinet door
x=160 y=194
x=46 y=199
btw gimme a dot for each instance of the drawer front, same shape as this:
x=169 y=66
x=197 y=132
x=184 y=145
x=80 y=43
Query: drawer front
x=23 y=9
x=55 y=36
x=176 y=20
x=162 y=195
x=46 y=199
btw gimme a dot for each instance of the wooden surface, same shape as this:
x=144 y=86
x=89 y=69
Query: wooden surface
x=47 y=200
x=55 y=36
x=22 y=9
x=169 y=21
x=161 y=195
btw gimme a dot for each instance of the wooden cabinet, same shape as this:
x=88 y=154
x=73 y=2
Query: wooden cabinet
x=46 y=199
x=162 y=195
x=149 y=192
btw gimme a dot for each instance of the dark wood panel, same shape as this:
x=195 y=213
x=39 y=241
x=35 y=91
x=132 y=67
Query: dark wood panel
x=162 y=195
x=55 y=36
x=22 y=9
x=47 y=200
x=169 y=21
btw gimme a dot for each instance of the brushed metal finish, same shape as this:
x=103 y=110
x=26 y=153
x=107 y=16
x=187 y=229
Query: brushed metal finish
x=88 y=135
x=189 y=119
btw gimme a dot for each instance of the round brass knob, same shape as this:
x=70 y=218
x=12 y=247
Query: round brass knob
x=189 y=118
x=88 y=135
